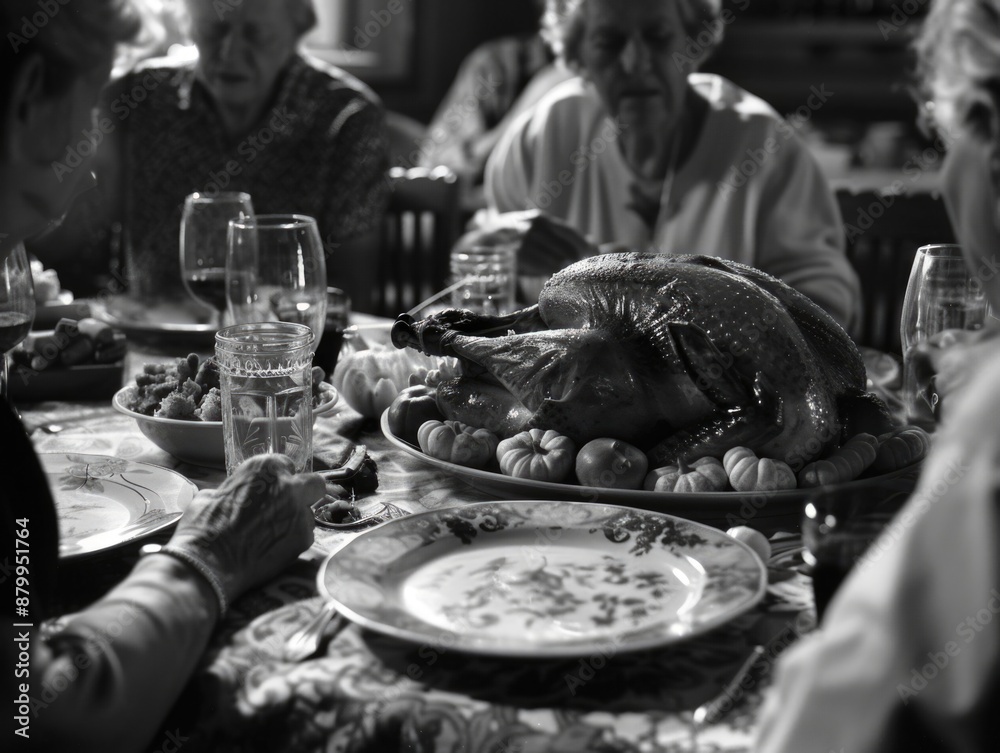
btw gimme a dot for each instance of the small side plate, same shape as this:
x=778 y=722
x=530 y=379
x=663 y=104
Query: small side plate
x=105 y=502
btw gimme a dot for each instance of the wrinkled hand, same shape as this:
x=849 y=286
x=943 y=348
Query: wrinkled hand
x=544 y=244
x=254 y=525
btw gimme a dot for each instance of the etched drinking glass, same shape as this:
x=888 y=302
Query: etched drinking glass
x=265 y=371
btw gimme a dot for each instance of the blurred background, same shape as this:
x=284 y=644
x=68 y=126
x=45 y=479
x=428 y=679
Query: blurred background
x=854 y=51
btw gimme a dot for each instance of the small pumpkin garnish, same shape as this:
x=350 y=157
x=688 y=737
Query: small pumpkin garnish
x=701 y=475
x=749 y=473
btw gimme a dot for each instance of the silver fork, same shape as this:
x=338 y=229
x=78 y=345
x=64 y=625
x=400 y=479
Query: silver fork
x=306 y=641
x=713 y=710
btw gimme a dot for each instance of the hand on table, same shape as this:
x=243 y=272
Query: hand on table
x=544 y=244
x=254 y=525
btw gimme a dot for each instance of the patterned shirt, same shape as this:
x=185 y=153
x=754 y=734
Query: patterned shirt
x=319 y=149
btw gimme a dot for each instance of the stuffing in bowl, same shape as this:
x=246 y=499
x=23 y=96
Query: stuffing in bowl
x=178 y=407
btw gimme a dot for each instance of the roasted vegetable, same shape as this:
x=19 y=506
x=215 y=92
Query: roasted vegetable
x=702 y=475
x=411 y=408
x=538 y=455
x=609 y=463
x=748 y=473
x=901 y=448
x=457 y=443
x=845 y=463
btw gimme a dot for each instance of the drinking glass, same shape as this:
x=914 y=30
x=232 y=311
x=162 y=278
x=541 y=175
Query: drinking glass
x=17 y=305
x=338 y=314
x=840 y=524
x=204 y=244
x=265 y=372
x=486 y=279
x=942 y=293
x=276 y=271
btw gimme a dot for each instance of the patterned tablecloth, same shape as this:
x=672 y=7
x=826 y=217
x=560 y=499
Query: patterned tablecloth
x=368 y=692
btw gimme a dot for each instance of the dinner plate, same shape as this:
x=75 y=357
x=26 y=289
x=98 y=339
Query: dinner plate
x=105 y=502
x=766 y=511
x=539 y=579
x=163 y=325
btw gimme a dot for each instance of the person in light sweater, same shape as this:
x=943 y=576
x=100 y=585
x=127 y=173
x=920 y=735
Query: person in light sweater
x=641 y=151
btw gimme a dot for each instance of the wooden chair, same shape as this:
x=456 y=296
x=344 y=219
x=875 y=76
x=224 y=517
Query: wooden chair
x=883 y=234
x=420 y=227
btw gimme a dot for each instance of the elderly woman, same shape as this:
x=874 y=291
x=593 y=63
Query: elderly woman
x=105 y=677
x=642 y=151
x=908 y=657
x=249 y=113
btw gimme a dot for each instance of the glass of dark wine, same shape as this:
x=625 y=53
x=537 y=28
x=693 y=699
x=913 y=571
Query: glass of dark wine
x=203 y=244
x=840 y=524
x=17 y=305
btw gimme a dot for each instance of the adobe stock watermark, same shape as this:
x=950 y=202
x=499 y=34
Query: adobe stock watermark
x=485 y=87
x=249 y=149
x=580 y=159
x=914 y=168
x=912 y=512
x=379 y=21
x=786 y=128
x=98 y=644
x=697 y=46
x=31 y=25
x=902 y=12
x=938 y=661
x=91 y=138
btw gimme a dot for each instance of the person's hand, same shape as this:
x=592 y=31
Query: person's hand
x=254 y=525
x=544 y=244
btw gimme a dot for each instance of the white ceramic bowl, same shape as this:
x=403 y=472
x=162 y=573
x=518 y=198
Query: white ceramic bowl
x=199 y=442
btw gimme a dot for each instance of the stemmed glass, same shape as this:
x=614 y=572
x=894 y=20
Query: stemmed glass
x=17 y=305
x=276 y=271
x=203 y=244
x=942 y=294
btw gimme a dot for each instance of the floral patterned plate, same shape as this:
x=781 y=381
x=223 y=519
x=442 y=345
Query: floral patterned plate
x=540 y=579
x=104 y=502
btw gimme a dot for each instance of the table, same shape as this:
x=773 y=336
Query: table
x=367 y=692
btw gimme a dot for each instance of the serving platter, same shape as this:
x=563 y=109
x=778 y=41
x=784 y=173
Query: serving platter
x=766 y=511
x=105 y=502
x=541 y=579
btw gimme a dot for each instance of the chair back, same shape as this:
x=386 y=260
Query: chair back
x=421 y=224
x=883 y=233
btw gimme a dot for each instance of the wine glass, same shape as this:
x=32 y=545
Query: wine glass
x=942 y=294
x=203 y=244
x=17 y=305
x=276 y=271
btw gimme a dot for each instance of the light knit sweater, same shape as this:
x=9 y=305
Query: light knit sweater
x=750 y=191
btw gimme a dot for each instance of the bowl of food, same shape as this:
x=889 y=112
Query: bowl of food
x=178 y=407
